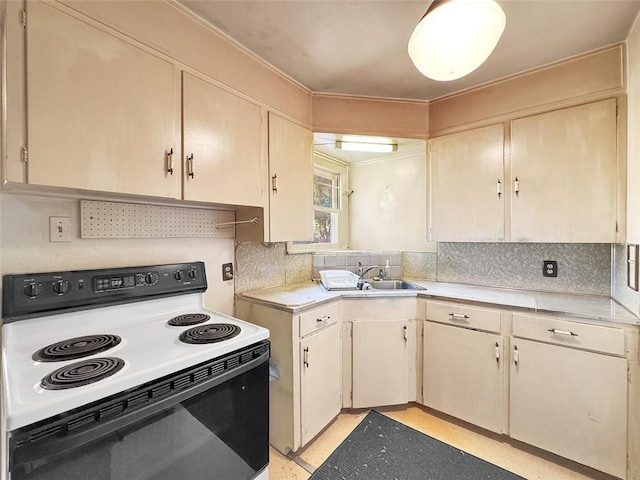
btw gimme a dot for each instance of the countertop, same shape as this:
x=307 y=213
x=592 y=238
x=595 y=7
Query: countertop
x=299 y=296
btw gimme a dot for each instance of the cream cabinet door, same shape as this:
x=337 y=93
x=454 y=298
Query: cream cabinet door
x=467 y=199
x=102 y=114
x=570 y=402
x=463 y=374
x=291 y=180
x=566 y=169
x=380 y=363
x=321 y=381
x=222 y=145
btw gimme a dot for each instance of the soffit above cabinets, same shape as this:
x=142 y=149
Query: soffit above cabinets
x=360 y=47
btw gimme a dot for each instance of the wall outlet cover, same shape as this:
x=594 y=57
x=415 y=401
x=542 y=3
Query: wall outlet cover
x=549 y=268
x=227 y=271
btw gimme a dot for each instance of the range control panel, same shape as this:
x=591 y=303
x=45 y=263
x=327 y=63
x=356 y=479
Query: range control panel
x=36 y=294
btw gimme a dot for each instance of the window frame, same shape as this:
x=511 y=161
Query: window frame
x=323 y=164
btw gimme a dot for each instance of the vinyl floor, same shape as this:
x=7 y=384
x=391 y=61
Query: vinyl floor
x=524 y=460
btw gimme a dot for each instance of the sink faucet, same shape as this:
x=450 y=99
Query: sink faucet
x=361 y=273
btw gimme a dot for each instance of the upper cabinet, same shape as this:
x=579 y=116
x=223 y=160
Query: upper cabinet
x=467 y=176
x=102 y=114
x=559 y=183
x=564 y=171
x=291 y=174
x=222 y=145
x=288 y=215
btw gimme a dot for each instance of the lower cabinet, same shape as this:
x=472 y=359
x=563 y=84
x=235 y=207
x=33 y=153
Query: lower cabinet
x=463 y=374
x=569 y=401
x=380 y=363
x=320 y=380
x=306 y=353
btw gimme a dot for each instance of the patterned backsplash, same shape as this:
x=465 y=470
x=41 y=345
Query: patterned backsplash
x=582 y=268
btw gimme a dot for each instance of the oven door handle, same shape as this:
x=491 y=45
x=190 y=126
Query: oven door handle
x=22 y=451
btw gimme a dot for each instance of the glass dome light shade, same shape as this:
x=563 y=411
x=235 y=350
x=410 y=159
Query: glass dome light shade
x=455 y=37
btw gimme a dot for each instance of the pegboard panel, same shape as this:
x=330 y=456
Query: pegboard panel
x=130 y=220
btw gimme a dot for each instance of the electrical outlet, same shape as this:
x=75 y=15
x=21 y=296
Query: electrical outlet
x=549 y=268
x=59 y=229
x=227 y=271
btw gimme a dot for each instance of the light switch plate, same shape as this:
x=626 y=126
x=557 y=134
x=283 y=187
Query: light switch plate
x=59 y=229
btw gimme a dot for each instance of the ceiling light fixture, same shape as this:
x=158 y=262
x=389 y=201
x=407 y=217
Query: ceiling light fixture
x=454 y=37
x=366 y=147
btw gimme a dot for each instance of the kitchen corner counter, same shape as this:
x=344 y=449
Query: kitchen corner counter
x=299 y=296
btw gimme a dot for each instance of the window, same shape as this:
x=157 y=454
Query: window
x=326 y=201
x=330 y=207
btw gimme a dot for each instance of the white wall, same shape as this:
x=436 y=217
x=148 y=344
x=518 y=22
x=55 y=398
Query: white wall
x=388 y=209
x=26 y=247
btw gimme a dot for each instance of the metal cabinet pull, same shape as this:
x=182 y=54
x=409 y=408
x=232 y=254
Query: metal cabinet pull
x=497 y=353
x=190 y=165
x=274 y=183
x=170 y=162
x=499 y=188
x=406 y=333
x=516 y=358
x=516 y=187
x=567 y=333
x=459 y=316
x=306 y=357
x=323 y=319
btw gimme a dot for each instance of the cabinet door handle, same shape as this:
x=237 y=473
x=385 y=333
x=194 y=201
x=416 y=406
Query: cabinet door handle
x=170 y=162
x=323 y=319
x=516 y=186
x=516 y=358
x=499 y=188
x=567 y=333
x=459 y=316
x=497 y=353
x=306 y=357
x=190 y=166
x=274 y=183
x=405 y=333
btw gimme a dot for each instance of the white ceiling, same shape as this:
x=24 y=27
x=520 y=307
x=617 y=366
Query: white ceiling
x=359 y=47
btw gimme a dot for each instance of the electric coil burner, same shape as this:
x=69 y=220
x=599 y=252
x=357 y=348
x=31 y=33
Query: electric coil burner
x=129 y=398
x=188 y=319
x=77 y=347
x=210 y=333
x=81 y=373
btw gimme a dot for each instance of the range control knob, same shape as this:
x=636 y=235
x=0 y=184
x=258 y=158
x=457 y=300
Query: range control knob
x=193 y=273
x=31 y=290
x=178 y=275
x=151 y=278
x=61 y=287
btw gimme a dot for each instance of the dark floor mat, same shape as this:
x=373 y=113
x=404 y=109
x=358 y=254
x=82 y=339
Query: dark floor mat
x=381 y=448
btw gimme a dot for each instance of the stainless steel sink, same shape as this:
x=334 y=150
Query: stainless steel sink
x=393 y=285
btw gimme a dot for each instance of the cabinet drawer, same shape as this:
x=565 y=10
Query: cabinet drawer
x=575 y=334
x=319 y=318
x=464 y=316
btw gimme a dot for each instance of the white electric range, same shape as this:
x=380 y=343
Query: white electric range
x=101 y=364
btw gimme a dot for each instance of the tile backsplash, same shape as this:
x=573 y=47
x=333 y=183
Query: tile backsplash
x=582 y=268
x=348 y=260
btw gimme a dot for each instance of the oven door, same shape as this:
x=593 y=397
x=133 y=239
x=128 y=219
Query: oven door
x=209 y=422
